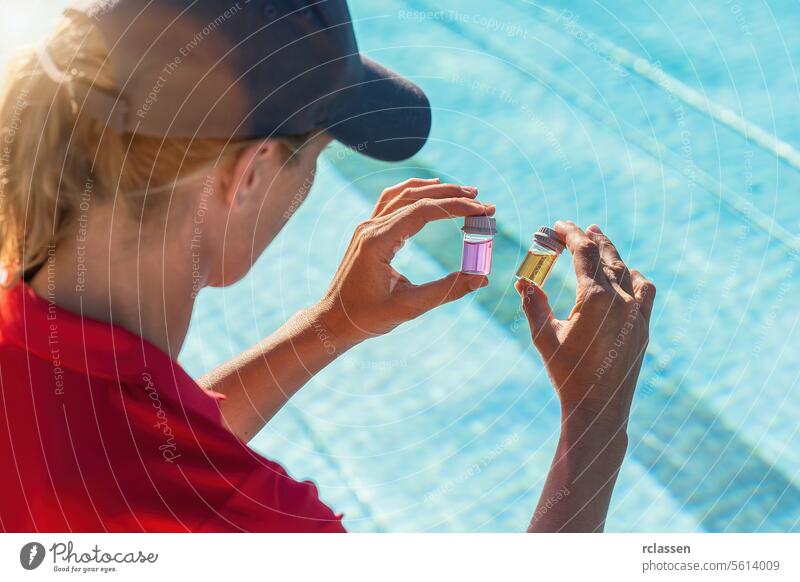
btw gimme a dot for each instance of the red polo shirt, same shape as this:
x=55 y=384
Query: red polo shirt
x=102 y=431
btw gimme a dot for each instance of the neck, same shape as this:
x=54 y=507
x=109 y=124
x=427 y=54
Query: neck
x=110 y=271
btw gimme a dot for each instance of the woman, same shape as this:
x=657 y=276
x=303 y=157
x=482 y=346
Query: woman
x=150 y=153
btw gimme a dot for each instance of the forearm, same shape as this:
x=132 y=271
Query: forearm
x=257 y=383
x=578 y=489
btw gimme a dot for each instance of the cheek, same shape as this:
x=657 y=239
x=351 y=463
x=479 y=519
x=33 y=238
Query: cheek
x=259 y=223
x=297 y=191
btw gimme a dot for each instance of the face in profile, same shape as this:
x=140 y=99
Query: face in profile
x=265 y=187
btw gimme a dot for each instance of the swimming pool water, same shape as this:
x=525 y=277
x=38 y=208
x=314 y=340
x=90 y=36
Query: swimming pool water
x=674 y=126
x=645 y=120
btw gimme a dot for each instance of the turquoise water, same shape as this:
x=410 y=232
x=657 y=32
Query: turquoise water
x=675 y=127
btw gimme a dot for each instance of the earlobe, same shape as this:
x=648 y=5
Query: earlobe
x=251 y=176
x=250 y=181
x=242 y=179
x=246 y=173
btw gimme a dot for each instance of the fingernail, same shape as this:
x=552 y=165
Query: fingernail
x=594 y=228
x=489 y=206
x=469 y=191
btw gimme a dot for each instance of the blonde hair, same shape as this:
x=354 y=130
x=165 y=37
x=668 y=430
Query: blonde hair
x=53 y=161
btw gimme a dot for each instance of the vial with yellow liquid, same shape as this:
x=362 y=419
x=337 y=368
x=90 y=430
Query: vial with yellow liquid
x=541 y=257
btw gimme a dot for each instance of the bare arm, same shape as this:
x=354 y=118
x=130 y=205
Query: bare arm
x=367 y=298
x=578 y=489
x=257 y=383
x=593 y=359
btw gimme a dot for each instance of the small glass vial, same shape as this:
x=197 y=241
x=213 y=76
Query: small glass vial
x=543 y=254
x=479 y=234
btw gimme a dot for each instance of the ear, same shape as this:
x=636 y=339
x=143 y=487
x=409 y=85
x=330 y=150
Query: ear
x=244 y=175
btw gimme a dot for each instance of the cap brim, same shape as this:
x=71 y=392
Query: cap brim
x=386 y=116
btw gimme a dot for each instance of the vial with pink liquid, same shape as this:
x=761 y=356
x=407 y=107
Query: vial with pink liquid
x=479 y=234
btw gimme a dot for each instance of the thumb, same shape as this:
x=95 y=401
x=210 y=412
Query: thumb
x=454 y=286
x=540 y=317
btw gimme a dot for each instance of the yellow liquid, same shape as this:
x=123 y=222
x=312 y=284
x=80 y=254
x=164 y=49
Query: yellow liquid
x=536 y=267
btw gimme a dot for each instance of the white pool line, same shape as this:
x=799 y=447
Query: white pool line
x=724 y=115
x=656 y=148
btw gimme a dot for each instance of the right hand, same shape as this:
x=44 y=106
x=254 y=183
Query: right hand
x=595 y=355
x=368 y=297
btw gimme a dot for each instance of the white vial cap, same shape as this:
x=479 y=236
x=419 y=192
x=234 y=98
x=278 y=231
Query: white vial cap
x=480 y=225
x=549 y=238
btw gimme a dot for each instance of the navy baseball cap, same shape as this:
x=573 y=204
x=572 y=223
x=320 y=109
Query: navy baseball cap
x=251 y=69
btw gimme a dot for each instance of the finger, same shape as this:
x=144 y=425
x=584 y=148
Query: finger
x=423 y=298
x=393 y=191
x=585 y=252
x=610 y=256
x=433 y=191
x=408 y=221
x=645 y=293
x=540 y=317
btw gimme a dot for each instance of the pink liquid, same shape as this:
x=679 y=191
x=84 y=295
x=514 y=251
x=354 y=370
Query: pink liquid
x=477 y=257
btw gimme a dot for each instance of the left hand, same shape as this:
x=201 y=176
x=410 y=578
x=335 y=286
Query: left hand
x=367 y=296
x=594 y=356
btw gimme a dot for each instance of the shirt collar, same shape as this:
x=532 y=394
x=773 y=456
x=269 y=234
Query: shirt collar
x=95 y=348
